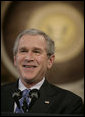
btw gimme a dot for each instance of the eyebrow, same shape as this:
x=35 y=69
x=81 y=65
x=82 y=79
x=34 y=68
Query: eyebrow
x=34 y=48
x=23 y=48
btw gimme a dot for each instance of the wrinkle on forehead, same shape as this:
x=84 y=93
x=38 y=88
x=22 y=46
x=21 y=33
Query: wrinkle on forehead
x=37 y=41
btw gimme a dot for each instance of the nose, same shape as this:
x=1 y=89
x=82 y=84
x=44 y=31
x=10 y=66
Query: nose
x=29 y=56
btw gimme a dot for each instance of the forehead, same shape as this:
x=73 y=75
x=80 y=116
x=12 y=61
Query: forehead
x=32 y=40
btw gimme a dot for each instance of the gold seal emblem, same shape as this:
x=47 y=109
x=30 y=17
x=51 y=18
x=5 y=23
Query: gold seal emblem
x=64 y=24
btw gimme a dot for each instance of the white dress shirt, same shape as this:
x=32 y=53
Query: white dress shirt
x=22 y=87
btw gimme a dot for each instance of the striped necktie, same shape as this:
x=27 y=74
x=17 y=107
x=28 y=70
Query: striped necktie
x=24 y=102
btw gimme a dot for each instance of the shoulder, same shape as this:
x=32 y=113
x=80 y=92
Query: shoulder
x=8 y=87
x=67 y=100
x=63 y=93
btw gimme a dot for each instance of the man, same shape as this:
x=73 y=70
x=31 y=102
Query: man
x=33 y=56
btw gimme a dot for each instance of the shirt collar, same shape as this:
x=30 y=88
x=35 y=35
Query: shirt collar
x=37 y=86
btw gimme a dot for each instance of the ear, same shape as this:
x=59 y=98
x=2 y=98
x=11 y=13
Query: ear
x=51 y=61
x=15 y=60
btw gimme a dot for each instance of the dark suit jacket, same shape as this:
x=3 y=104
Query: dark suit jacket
x=60 y=101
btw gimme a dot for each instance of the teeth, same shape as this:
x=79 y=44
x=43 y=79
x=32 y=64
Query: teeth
x=27 y=66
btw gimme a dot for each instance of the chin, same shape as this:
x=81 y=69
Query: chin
x=29 y=79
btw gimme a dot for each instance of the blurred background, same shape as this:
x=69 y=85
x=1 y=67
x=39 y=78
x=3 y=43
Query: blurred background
x=63 y=22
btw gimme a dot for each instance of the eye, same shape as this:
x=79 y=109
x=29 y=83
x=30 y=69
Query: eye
x=22 y=50
x=37 y=52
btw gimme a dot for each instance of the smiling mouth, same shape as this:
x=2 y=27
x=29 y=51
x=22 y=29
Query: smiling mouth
x=29 y=66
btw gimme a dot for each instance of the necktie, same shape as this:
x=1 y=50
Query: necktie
x=24 y=102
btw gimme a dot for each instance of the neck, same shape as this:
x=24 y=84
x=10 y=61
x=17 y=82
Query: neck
x=29 y=84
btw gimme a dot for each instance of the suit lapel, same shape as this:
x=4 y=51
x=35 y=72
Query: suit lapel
x=10 y=105
x=43 y=104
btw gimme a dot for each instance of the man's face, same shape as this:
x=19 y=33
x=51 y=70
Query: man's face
x=31 y=59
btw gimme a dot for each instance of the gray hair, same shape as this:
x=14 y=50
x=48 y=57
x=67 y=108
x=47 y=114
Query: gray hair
x=50 y=43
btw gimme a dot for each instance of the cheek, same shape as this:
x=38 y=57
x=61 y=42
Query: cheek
x=38 y=59
x=18 y=60
x=42 y=61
